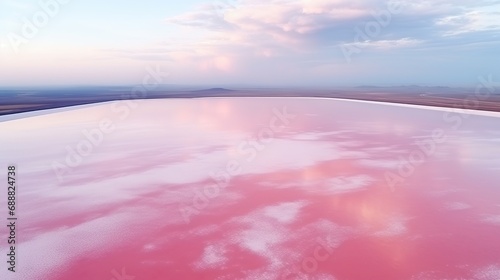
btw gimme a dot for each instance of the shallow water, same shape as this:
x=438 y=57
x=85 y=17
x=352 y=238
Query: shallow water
x=255 y=188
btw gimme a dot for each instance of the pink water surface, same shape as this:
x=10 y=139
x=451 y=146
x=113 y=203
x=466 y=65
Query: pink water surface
x=310 y=200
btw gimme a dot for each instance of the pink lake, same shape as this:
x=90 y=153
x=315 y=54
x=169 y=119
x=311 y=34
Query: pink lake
x=253 y=188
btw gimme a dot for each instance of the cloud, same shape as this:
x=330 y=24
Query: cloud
x=385 y=44
x=316 y=23
x=274 y=41
x=267 y=29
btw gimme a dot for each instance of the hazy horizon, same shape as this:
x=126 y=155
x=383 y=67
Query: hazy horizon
x=174 y=87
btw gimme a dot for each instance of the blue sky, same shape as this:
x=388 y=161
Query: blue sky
x=253 y=42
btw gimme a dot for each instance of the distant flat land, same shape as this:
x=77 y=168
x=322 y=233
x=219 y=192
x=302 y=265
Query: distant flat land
x=18 y=101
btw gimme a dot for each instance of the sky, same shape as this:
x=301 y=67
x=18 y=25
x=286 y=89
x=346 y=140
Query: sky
x=316 y=43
